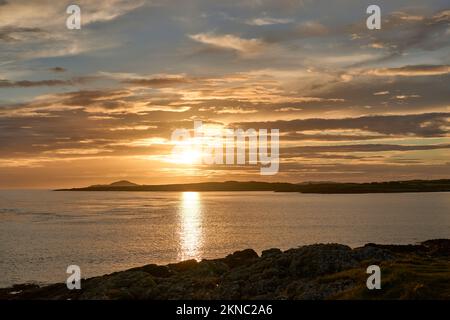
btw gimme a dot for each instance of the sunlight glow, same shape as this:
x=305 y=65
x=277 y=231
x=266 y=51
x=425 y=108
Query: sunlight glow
x=188 y=157
x=190 y=226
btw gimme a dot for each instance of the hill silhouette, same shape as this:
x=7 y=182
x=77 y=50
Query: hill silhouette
x=123 y=183
x=442 y=185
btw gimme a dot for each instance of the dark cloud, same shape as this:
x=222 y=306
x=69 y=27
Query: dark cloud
x=156 y=82
x=430 y=91
x=298 y=136
x=427 y=34
x=46 y=83
x=423 y=125
x=58 y=69
x=39 y=83
x=89 y=97
x=342 y=171
x=301 y=151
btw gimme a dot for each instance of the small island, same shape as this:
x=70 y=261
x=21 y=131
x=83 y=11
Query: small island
x=312 y=272
x=441 y=185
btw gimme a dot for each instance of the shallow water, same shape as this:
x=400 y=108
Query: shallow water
x=42 y=232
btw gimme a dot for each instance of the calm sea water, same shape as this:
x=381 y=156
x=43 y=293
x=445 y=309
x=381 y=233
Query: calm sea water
x=42 y=232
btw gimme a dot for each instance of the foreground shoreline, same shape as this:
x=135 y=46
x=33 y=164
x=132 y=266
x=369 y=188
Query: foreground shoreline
x=313 y=272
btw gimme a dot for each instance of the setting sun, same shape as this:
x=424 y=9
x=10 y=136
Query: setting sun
x=188 y=157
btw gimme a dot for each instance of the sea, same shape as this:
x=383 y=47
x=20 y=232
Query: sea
x=42 y=232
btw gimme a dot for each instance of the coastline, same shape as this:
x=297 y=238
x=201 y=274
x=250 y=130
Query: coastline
x=407 y=186
x=312 y=272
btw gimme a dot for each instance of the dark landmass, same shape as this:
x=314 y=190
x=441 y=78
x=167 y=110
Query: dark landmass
x=123 y=183
x=442 y=185
x=321 y=271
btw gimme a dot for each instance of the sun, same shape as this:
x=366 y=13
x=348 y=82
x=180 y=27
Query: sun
x=188 y=157
x=185 y=154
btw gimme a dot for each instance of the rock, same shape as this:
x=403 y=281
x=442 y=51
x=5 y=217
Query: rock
x=315 y=260
x=183 y=266
x=271 y=253
x=438 y=246
x=321 y=271
x=372 y=253
x=211 y=268
x=130 y=284
x=156 y=271
x=240 y=258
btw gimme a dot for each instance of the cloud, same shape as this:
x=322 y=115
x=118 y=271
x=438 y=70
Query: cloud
x=407 y=96
x=165 y=81
x=58 y=69
x=403 y=32
x=236 y=111
x=266 y=21
x=299 y=31
x=39 y=83
x=399 y=15
x=37 y=29
x=301 y=77
x=412 y=71
x=17 y=34
x=45 y=14
x=422 y=125
x=230 y=42
x=298 y=151
x=311 y=29
x=381 y=93
x=97 y=103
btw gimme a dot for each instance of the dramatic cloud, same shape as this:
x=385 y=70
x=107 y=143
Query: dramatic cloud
x=350 y=103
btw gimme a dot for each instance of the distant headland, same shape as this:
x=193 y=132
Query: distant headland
x=442 y=185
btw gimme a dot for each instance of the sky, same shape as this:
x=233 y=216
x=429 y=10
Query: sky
x=99 y=104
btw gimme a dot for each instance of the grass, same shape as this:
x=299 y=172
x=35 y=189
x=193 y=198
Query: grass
x=414 y=277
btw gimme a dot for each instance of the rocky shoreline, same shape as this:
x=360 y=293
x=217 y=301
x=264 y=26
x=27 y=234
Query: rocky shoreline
x=320 y=271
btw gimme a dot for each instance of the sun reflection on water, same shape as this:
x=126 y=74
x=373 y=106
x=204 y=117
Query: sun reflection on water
x=190 y=226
